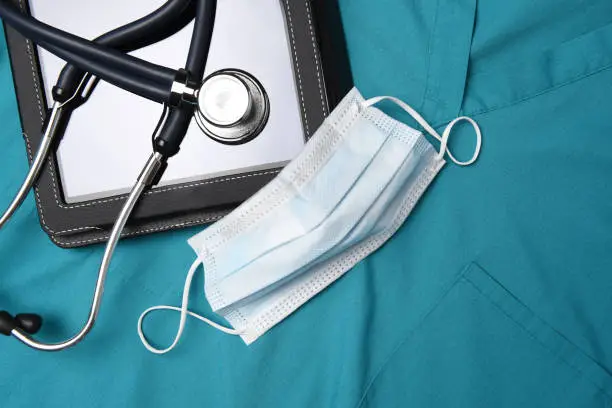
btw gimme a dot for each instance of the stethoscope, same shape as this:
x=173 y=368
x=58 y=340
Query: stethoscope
x=230 y=106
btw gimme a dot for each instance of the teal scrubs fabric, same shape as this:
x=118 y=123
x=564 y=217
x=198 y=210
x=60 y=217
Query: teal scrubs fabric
x=497 y=292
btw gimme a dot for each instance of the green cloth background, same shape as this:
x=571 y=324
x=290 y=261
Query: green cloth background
x=497 y=292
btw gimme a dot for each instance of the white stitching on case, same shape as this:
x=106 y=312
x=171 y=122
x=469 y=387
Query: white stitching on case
x=36 y=85
x=163 y=190
x=42 y=216
x=144 y=230
x=317 y=57
x=297 y=66
x=30 y=53
x=37 y=91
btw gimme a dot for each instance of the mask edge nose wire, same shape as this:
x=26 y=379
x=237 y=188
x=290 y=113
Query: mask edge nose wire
x=184 y=312
x=445 y=135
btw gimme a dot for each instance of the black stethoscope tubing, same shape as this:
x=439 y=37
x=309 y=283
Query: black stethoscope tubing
x=162 y=23
x=106 y=63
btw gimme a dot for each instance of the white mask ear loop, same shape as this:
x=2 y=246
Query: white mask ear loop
x=445 y=135
x=184 y=312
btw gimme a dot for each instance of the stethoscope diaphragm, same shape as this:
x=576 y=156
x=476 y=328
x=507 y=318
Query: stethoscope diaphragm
x=232 y=107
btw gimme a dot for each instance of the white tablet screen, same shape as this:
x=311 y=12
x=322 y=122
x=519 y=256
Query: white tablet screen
x=109 y=138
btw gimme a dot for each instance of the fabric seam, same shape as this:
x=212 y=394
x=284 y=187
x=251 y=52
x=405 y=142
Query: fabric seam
x=430 y=48
x=575 y=369
x=540 y=93
x=436 y=303
x=462 y=276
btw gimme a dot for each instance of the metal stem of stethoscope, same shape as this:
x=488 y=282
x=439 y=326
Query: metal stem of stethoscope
x=146 y=179
x=37 y=164
x=51 y=130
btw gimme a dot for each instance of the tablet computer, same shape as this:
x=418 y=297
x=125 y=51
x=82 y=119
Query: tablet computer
x=294 y=49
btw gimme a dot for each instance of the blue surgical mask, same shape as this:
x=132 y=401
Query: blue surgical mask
x=345 y=195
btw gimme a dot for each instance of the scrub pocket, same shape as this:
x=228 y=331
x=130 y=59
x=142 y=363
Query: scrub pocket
x=535 y=74
x=480 y=346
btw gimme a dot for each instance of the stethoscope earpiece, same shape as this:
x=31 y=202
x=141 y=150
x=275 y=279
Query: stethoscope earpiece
x=27 y=322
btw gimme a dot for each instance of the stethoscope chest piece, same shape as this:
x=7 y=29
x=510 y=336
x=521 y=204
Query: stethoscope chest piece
x=232 y=107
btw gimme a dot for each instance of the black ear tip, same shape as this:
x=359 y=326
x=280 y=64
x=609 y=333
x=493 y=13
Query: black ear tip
x=7 y=323
x=29 y=323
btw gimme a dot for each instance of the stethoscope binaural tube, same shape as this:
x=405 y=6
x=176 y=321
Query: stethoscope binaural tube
x=166 y=143
x=132 y=74
x=74 y=86
x=123 y=70
x=162 y=23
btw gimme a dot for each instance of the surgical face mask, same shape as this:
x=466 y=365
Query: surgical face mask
x=344 y=196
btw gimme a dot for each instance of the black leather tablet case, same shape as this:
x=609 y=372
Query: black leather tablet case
x=322 y=75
